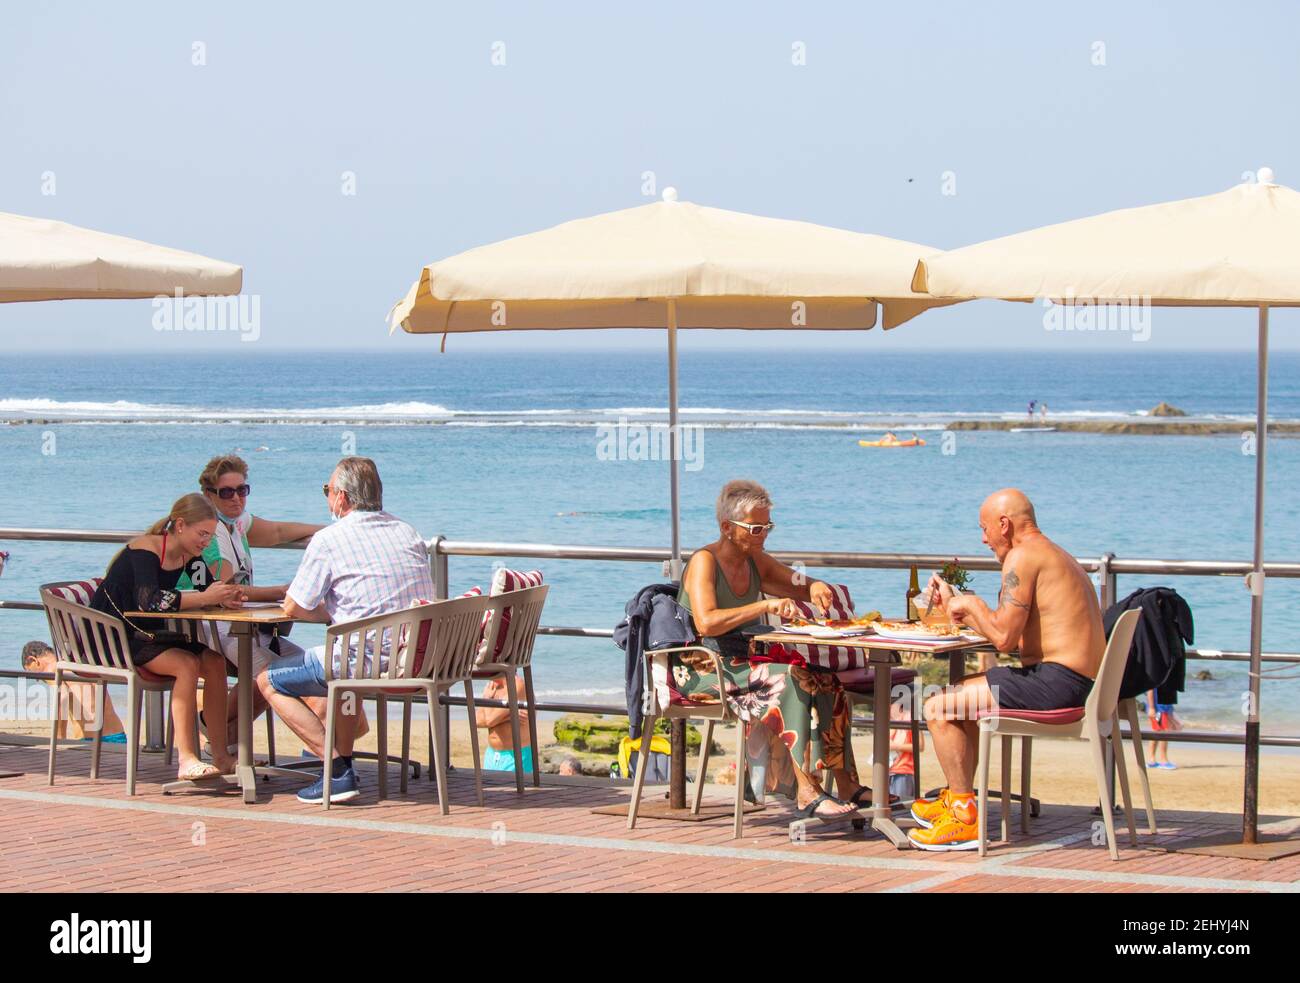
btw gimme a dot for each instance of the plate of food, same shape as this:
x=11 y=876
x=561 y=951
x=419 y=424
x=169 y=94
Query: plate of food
x=832 y=627
x=915 y=631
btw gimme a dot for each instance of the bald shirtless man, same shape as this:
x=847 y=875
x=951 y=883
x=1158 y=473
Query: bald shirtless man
x=1048 y=611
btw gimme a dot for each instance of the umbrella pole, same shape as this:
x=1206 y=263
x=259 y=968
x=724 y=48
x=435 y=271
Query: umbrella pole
x=674 y=443
x=676 y=728
x=1250 y=808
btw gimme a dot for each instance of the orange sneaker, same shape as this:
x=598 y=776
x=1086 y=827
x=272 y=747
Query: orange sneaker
x=948 y=833
x=927 y=812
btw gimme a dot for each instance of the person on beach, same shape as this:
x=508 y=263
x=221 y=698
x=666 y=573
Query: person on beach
x=902 y=756
x=143 y=577
x=228 y=557
x=1047 y=609
x=1162 y=718
x=797 y=719
x=82 y=711
x=366 y=563
x=500 y=755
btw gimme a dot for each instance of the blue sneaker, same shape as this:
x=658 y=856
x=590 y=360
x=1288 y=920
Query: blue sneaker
x=345 y=788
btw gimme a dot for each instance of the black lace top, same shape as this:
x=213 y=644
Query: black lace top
x=137 y=581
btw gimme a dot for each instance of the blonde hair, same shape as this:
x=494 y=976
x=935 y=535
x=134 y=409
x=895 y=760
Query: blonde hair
x=192 y=508
x=738 y=497
x=218 y=467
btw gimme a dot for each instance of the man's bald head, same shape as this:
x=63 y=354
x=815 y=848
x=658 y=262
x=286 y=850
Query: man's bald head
x=1005 y=517
x=1011 y=502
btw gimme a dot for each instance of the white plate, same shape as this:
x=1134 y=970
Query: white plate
x=821 y=631
x=918 y=636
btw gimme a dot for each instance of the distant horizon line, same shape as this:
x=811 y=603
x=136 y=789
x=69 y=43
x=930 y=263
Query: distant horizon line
x=250 y=351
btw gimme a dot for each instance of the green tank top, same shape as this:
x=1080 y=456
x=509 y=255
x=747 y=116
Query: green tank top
x=726 y=597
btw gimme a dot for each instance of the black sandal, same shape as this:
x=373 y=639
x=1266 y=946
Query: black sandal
x=810 y=810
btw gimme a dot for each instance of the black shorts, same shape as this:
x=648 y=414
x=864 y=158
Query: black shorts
x=1044 y=686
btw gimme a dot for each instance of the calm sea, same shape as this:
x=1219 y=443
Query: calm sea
x=509 y=448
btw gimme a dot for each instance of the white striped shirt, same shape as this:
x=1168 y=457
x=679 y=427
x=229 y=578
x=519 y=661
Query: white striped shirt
x=366 y=563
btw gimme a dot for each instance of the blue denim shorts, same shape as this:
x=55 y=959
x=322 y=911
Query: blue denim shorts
x=298 y=675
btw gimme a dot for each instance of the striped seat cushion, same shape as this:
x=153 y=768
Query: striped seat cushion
x=504 y=581
x=422 y=640
x=834 y=657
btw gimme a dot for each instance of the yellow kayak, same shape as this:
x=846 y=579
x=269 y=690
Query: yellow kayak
x=886 y=442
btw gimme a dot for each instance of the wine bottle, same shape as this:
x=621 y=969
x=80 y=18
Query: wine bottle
x=913 y=590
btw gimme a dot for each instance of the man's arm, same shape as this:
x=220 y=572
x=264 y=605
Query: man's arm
x=1004 y=626
x=298 y=613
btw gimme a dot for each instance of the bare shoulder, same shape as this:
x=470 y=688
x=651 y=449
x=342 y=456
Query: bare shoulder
x=703 y=560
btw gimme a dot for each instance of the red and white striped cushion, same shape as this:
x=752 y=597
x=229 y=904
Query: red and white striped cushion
x=422 y=641
x=835 y=657
x=504 y=581
x=78 y=593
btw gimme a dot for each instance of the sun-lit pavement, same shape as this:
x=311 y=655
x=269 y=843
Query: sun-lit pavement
x=84 y=835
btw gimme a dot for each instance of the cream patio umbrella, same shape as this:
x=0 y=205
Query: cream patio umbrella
x=1237 y=248
x=668 y=265
x=42 y=259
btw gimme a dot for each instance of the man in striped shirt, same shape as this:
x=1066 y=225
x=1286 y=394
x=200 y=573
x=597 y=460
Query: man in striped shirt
x=366 y=563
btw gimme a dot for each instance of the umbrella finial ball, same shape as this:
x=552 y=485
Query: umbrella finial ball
x=670 y=194
x=1264 y=175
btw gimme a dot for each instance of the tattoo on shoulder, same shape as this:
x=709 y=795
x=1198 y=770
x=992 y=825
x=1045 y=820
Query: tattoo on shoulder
x=1009 y=583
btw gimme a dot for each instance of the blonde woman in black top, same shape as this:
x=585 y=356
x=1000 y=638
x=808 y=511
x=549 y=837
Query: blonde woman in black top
x=143 y=577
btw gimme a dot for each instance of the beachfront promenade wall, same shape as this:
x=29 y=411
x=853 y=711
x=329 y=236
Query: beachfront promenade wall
x=1106 y=568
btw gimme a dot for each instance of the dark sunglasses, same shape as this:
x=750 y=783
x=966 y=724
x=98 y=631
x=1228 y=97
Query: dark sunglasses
x=326 y=489
x=226 y=494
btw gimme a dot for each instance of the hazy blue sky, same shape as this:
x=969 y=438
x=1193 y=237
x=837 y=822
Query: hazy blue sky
x=242 y=157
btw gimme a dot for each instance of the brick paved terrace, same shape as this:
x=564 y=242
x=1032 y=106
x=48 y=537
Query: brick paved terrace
x=84 y=835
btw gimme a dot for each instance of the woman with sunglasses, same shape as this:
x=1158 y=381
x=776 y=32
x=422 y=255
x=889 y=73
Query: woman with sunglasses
x=797 y=719
x=229 y=558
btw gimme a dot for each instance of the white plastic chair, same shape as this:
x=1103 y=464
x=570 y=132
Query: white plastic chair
x=709 y=712
x=512 y=654
x=105 y=661
x=1096 y=722
x=432 y=648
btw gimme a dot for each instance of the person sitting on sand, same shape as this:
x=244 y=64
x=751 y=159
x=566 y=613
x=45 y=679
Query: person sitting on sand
x=365 y=564
x=500 y=755
x=228 y=557
x=1048 y=610
x=798 y=716
x=81 y=715
x=143 y=577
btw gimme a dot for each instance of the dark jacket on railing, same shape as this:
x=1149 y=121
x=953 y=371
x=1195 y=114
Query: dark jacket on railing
x=1157 y=659
x=654 y=621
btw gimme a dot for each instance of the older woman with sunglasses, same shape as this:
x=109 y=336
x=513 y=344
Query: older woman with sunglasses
x=797 y=719
x=229 y=558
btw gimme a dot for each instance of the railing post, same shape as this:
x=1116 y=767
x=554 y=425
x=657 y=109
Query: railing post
x=438 y=569
x=1108 y=588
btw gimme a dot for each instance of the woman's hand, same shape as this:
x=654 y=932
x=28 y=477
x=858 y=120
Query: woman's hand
x=782 y=607
x=223 y=595
x=820 y=594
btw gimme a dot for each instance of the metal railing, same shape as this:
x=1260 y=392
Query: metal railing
x=1107 y=567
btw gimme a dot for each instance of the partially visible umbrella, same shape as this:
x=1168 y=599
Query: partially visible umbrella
x=1237 y=248
x=670 y=264
x=41 y=259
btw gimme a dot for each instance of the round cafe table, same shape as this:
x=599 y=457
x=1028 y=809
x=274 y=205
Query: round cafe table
x=243 y=623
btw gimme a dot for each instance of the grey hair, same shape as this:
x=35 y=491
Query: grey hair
x=358 y=478
x=738 y=497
